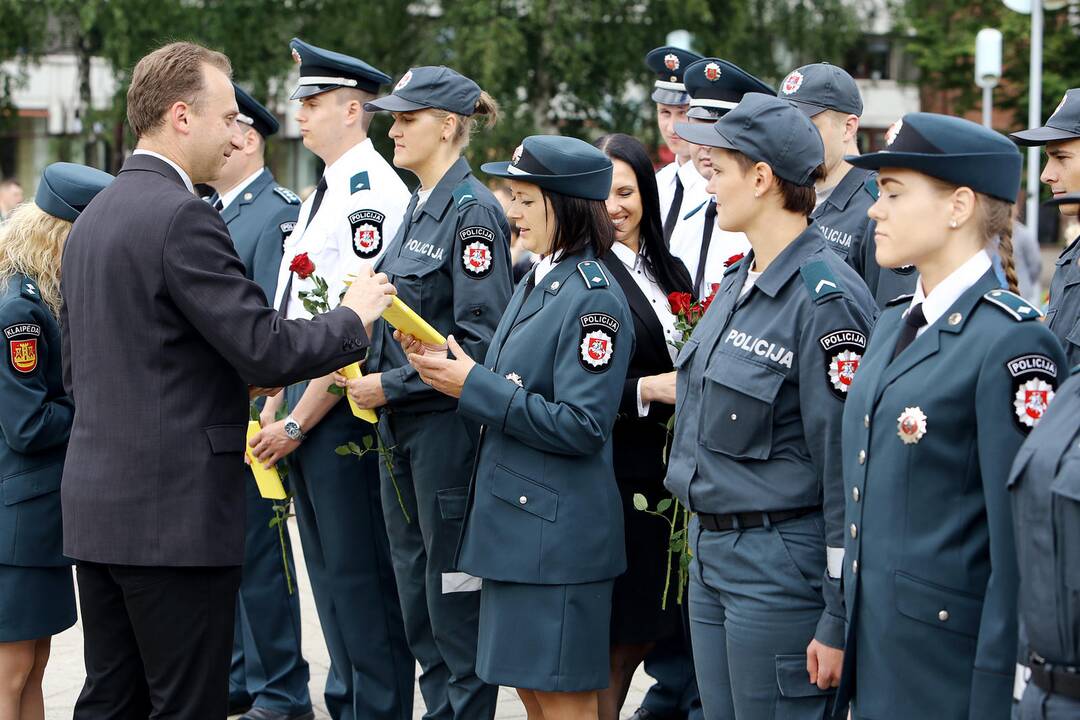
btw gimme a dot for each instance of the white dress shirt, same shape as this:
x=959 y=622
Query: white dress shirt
x=686 y=245
x=183 y=175
x=949 y=290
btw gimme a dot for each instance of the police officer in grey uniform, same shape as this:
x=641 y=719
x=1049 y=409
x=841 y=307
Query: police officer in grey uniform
x=37 y=595
x=953 y=380
x=269 y=677
x=1061 y=136
x=761 y=387
x=450 y=261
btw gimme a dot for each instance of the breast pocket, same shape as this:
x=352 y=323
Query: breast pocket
x=737 y=408
x=415 y=279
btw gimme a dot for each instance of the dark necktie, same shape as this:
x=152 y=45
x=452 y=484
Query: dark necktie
x=703 y=254
x=914 y=320
x=320 y=190
x=217 y=204
x=673 y=211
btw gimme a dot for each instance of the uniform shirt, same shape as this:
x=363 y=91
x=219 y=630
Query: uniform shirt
x=928 y=438
x=761 y=387
x=841 y=212
x=687 y=238
x=665 y=186
x=1045 y=486
x=35 y=421
x=361 y=209
x=450 y=263
x=1063 y=315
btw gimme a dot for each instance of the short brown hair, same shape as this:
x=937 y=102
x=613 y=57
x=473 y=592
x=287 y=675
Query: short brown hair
x=168 y=75
x=796 y=198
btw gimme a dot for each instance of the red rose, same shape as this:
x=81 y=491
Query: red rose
x=679 y=302
x=713 y=289
x=733 y=259
x=302 y=266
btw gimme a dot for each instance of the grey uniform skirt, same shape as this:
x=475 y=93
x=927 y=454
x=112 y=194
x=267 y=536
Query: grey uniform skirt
x=552 y=638
x=35 y=602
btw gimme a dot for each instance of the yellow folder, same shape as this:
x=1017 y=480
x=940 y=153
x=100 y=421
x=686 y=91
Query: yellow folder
x=352 y=371
x=269 y=481
x=402 y=317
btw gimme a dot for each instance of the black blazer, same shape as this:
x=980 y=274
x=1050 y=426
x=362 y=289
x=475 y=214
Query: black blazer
x=161 y=334
x=638 y=443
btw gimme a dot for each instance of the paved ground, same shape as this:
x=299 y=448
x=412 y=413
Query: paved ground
x=65 y=673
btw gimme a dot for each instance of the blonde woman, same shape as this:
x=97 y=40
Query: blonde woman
x=37 y=596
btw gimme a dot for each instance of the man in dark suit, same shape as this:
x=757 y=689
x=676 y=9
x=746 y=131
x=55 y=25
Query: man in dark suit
x=163 y=337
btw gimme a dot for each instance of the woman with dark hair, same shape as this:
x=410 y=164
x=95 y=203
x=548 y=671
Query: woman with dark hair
x=544 y=523
x=647 y=272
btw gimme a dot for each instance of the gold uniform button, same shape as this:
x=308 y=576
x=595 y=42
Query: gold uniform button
x=943 y=615
x=854 y=531
x=855 y=494
x=734 y=417
x=523 y=499
x=862 y=457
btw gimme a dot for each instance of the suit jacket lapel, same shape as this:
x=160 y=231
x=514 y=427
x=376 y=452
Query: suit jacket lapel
x=639 y=304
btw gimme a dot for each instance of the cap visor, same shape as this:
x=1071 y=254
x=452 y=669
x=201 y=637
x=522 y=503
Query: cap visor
x=1041 y=136
x=304 y=91
x=809 y=109
x=702 y=135
x=703 y=113
x=393 y=103
x=670 y=97
x=1066 y=199
x=576 y=185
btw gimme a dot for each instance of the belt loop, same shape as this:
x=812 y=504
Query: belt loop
x=735 y=524
x=766 y=520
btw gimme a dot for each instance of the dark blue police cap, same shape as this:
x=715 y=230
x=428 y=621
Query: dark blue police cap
x=951 y=149
x=669 y=63
x=821 y=86
x=430 y=87
x=716 y=86
x=765 y=129
x=1064 y=124
x=66 y=189
x=564 y=165
x=323 y=70
x=254 y=114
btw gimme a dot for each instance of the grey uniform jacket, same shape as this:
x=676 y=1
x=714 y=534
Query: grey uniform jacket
x=260 y=220
x=162 y=333
x=842 y=216
x=1063 y=315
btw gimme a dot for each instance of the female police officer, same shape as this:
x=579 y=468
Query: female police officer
x=761 y=387
x=544 y=527
x=953 y=380
x=37 y=596
x=450 y=262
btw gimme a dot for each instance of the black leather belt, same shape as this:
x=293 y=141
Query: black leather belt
x=1055 y=679
x=744 y=520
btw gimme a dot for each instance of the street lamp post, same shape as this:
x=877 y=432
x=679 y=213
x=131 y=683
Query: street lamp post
x=988 y=69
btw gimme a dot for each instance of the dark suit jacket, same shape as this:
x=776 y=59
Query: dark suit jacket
x=161 y=335
x=639 y=442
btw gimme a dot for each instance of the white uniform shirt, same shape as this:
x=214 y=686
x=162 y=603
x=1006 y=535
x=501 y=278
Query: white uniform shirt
x=362 y=208
x=665 y=186
x=949 y=290
x=686 y=245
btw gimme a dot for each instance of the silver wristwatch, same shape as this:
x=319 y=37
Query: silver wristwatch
x=293 y=429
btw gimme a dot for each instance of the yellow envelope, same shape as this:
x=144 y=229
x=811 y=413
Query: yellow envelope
x=352 y=371
x=402 y=317
x=269 y=481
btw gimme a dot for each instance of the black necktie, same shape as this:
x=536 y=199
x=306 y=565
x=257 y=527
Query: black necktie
x=673 y=211
x=703 y=254
x=914 y=320
x=320 y=190
x=217 y=204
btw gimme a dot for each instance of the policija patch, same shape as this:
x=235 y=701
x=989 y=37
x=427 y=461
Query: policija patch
x=23 y=347
x=478 y=250
x=843 y=353
x=367 y=232
x=286 y=229
x=1034 y=381
x=598 y=332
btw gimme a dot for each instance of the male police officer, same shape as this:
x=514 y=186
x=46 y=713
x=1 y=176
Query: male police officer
x=1061 y=136
x=358 y=204
x=269 y=675
x=673 y=181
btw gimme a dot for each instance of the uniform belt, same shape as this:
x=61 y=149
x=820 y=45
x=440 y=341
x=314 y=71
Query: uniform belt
x=1056 y=680
x=744 y=520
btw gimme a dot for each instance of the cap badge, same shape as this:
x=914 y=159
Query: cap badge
x=911 y=425
x=1061 y=104
x=403 y=81
x=295 y=56
x=712 y=72
x=516 y=157
x=671 y=61
x=792 y=82
x=893 y=132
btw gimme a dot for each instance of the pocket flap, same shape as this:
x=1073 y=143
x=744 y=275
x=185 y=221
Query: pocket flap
x=524 y=494
x=452 y=502
x=938 y=606
x=685 y=354
x=32 y=483
x=749 y=378
x=1066 y=484
x=226 y=438
x=1019 y=463
x=410 y=263
x=793 y=679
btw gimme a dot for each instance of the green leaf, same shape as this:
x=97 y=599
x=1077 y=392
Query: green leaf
x=274 y=522
x=253 y=412
x=335 y=390
x=663 y=505
x=640 y=503
x=343 y=450
x=354 y=448
x=368 y=442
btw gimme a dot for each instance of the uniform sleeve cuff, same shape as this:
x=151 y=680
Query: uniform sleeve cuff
x=486 y=397
x=830 y=631
x=393 y=384
x=642 y=407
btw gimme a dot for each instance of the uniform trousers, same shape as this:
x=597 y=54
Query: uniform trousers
x=755 y=601
x=1037 y=704
x=157 y=641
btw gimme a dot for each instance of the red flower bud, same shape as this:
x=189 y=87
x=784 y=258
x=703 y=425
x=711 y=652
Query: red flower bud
x=302 y=266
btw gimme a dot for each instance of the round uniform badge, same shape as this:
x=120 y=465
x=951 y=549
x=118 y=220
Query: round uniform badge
x=405 y=79
x=1034 y=381
x=598 y=331
x=295 y=56
x=367 y=236
x=792 y=82
x=23 y=347
x=516 y=157
x=712 y=72
x=671 y=62
x=478 y=250
x=911 y=425
x=893 y=131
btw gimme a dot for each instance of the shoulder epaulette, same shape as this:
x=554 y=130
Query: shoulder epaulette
x=899 y=299
x=359 y=181
x=820 y=281
x=1013 y=305
x=872 y=187
x=593 y=274
x=287 y=195
x=30 y=289
x=463 y=194
x=690 y=214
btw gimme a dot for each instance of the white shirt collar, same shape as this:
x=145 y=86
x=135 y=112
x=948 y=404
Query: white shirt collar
x=546 y=265
x=228 y=197
x=341 y=171
x=689 y=175
x=183 y=175
x=949 y=290
x=626 y=256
